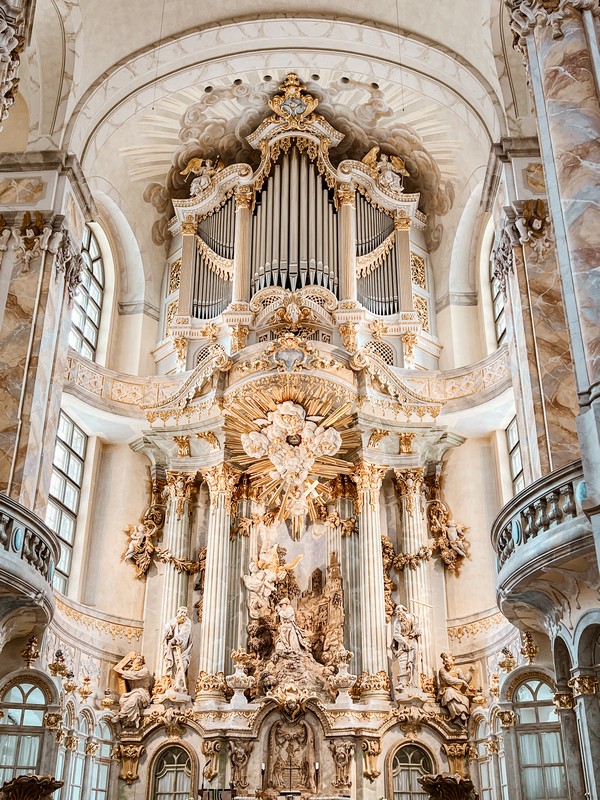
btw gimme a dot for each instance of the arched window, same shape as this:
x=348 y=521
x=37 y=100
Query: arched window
x=87 y=307
x=409 y=763
x=484 y=761
x=497 y=305
x=101 y=763
x=172 y=778
x=499 y=734
x=65 y=492
x=23 y=706
x=78 y=759
x=540 y=750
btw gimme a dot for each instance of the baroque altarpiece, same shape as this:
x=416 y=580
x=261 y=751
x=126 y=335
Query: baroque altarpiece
x=297 y=543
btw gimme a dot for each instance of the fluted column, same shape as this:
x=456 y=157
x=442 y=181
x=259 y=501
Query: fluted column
x=417 y=581
x=241 y=255
x=346 y=197
x=221 y=480
x=564 y=703
x=188 y=259
x=176 y=542
x=402 y=245
x=587 y=711
x=368 y=479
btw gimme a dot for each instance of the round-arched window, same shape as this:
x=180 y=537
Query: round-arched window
x=541 y=761
x=172 y=778
x=410 y=762
x=23 y=706
x=87 y=306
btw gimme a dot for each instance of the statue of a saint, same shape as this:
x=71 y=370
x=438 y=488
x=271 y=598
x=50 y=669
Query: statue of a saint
x=133 y=672
x=290 y=636
x=454 y=692
x=405 y=636
x=177 y=648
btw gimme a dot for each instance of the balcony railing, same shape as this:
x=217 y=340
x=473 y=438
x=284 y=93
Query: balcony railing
x=24 y=536
x=538 y=510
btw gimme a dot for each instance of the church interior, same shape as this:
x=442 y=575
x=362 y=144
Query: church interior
x=299 y=424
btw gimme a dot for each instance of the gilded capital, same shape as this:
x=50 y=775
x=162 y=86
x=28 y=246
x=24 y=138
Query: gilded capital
x=583 y=684
x=507 y=718
x=180 y=486
x=188 y=226
x=409 y=483
x=368 y=478
x=345 y=194
x=244 y=197
x=402 y=223
x=221 y=480
x=564 y=700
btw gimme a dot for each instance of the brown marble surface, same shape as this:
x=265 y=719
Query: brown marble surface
x=573 y=111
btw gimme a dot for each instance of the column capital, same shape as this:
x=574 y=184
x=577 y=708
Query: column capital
x=564 y=701
x=345 y=194
x=189 y=226
x=526 y=15
x=244 y=197
x=409 y=483
x=583 y=684
x=180 y=486
x=221 y=480
x=368 y=478
x=402 y=223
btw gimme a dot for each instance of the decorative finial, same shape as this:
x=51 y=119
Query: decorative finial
x=293 y=103
x=30 y=654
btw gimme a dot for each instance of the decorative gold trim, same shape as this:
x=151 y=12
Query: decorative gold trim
x=113 y=628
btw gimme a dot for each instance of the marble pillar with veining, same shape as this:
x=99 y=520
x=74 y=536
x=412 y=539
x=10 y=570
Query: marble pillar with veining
x=35 y=321
x=548 y=398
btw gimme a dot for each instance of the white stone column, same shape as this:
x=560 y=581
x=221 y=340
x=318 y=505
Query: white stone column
x=188 y=259
x=368 y=479
x=241 y=255
x=417 y=581
x=402 y=245
x=585 y=693
x=221 y=481
x=176 y=541
x=346 y=196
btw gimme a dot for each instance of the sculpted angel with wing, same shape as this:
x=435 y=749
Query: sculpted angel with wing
x=391 y=169
x=204 y=170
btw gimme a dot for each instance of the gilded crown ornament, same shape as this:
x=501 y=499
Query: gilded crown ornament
x=294 y=104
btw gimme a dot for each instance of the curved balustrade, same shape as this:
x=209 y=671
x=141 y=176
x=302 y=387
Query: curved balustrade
x=538 y=511
x=24 y=536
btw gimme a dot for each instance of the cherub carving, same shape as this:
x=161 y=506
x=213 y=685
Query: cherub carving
x=204 y=170
x=390 y=170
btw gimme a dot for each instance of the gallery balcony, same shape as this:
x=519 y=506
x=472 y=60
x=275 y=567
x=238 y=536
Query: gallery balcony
x=542 y=538
x=29 y=552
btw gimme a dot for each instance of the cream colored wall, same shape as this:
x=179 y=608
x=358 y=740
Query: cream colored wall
x=471 y=490
x=460 y=333
x=120 y=496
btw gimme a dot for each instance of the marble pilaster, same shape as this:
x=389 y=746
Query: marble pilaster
x=541 y=355
x=347 y=210
x=570 y=736
x=40 y=271
x=417 y=581
x=587 y=711
x=221 y=481
x=368 y=479
x=241 y=256
x=177 y=542
x=402 y=245
x=188 y=259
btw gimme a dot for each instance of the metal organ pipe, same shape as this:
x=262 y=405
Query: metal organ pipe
x=277 y=224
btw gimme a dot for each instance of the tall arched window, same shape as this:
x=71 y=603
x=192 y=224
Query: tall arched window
x=23 y=706
x=409 y=763
x=541 y=760
x=497 y=306
x=87 y=307
x=77 y=765
x=499 y=734
x=101 y=763
x=172 y=775
x=484 y=761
